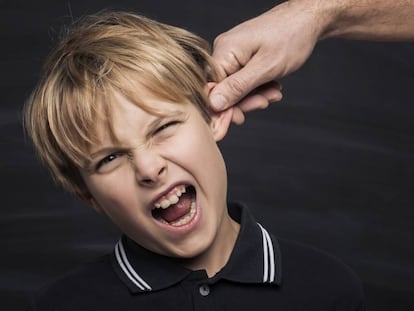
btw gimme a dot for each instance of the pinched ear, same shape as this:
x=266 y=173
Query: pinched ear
x=221 y=120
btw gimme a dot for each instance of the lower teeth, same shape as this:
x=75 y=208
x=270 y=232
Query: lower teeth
x=185 y=219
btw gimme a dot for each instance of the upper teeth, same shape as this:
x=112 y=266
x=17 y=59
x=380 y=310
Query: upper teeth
x=171 y=198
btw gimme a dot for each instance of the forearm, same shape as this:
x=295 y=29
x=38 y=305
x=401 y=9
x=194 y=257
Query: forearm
x=363 y=19
x=279 y=41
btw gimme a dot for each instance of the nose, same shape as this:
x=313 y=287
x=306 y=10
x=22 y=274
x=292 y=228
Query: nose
x=150 y=168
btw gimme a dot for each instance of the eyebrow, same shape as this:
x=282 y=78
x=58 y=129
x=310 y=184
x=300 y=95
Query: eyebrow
x=155 y=123
x=152 y=127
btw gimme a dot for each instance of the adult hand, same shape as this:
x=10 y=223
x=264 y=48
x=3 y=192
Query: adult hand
x=252 y=55
x=279 y=41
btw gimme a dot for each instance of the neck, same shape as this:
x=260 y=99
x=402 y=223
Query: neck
x=218 y=254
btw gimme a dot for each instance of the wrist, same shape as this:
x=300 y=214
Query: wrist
x=325 y=15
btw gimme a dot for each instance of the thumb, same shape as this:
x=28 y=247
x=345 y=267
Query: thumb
x=232 y=89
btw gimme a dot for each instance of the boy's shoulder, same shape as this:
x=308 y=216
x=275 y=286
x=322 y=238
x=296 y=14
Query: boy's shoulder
x=308 y=276
x=305 y=278
x=84 y=286
x=302 y=268
x=316 y=273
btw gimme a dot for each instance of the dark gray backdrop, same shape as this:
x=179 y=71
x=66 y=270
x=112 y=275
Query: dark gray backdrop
x=332 y=165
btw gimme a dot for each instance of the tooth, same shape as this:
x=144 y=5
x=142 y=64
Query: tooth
x=187 y=218
x=165 y=204
x=173 y=199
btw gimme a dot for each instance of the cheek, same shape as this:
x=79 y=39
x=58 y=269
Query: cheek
x=113 y=191
x=196 y=150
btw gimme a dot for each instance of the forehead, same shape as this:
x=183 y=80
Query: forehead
x=89 y=113
x=121 y=113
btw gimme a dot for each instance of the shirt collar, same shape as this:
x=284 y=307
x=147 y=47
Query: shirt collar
x=255 y=259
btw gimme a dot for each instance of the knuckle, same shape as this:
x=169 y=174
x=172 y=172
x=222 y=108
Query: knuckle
x=220 y=39
x=217 y=40
x=229 y=59
x=237 y=86
x=234 y=59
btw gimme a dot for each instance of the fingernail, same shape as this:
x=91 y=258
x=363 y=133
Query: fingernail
x=218 y=101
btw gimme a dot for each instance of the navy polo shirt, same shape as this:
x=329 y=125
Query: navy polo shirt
x=263 y=273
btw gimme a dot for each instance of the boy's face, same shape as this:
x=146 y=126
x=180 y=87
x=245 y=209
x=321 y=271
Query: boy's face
x=138 y=182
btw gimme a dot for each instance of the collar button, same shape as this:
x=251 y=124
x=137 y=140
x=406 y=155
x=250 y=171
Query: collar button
x=204 y=290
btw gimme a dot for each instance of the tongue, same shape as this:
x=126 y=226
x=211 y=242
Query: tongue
x=178 y=210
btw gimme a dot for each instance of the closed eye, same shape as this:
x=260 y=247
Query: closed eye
x=165 y=126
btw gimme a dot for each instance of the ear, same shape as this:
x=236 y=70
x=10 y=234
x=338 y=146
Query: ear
x=221 y=120
x=88 y=199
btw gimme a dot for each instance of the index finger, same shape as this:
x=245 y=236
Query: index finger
x=237 y=85
x=226 y=62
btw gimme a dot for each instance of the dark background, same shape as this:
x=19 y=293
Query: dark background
x=331 y=165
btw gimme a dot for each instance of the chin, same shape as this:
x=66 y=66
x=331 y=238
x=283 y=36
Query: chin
x=193 y=249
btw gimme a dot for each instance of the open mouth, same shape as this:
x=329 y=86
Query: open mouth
x=177 y=208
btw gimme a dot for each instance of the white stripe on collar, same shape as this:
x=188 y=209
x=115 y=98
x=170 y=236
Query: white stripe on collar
x=268 y=257
x=128 y=269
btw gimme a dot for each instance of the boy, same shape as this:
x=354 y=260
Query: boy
x=121 y=119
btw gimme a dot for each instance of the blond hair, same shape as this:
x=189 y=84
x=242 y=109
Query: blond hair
x=99 y=55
